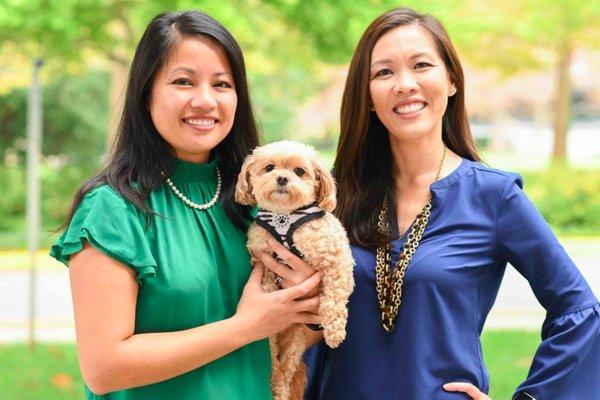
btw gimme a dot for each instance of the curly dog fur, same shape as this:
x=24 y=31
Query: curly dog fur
x=322 y=241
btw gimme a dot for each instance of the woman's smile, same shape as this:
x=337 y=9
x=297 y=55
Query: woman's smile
x=410 y=109
x=204 y=124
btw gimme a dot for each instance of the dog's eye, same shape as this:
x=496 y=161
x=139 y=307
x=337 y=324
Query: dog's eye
x=299 y=171
x=269 y=168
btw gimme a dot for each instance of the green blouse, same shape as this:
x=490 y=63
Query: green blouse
x=191 y=266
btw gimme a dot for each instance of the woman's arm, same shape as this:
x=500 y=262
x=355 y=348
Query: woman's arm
x=112 y=357
x=567 y=362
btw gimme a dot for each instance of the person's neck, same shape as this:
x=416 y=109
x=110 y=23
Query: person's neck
x=416 y=162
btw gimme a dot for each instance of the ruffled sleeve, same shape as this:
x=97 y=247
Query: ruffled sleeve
x=567 y=362
x=111 y=225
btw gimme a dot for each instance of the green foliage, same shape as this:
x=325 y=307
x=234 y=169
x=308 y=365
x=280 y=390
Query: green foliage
x=12 y=203
x=13 y=115
x=275 y=99
x=63 y=28
x=569 y=199
x=334 y=27
x=331 y=26
x=58 y=185
x=74 y=31
x=74 y=133
x=75 y=119
x=77 y=116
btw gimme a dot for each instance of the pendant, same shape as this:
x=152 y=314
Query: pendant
x=282 y=221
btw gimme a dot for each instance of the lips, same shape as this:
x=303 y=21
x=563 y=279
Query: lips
x=410 y=108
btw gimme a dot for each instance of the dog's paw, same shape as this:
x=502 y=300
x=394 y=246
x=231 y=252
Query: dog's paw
x=334 y=338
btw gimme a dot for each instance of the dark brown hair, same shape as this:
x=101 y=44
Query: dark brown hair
x=140 y=153
x=363 y=165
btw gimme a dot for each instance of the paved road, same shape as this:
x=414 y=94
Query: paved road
x=515 y=307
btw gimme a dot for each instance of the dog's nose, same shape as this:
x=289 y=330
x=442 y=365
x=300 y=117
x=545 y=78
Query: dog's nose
x=282 y=180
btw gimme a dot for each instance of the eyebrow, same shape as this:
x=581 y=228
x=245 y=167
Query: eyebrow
x=417 y=55
x=382 y=61
x=390 y=61
x=192 y=71
x=184 y=69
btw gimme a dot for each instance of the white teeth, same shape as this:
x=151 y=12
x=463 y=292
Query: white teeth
x=409 y=108
x=202 y=122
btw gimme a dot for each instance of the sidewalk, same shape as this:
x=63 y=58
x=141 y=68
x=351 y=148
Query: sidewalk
x=516 y=306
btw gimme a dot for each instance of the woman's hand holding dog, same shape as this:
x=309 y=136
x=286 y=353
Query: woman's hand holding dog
x=260 y=315
x=293 y=272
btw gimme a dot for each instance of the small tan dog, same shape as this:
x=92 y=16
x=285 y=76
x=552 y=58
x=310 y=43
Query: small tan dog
x=296 y=196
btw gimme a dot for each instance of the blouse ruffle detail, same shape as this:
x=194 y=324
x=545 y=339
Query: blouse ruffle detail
x=110 y=225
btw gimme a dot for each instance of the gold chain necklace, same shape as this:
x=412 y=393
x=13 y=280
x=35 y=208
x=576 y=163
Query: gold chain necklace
x=389 y=285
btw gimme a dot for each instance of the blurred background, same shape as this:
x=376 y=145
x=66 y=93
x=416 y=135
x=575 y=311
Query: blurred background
x=533 y=93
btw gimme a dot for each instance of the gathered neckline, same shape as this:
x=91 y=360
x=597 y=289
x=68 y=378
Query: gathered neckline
x=186 y=171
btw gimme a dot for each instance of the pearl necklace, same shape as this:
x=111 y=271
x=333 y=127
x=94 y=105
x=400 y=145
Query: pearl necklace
x=190 y=203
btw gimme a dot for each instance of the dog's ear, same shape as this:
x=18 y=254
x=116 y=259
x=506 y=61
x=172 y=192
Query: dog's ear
x=243 y=188
x=326 y=195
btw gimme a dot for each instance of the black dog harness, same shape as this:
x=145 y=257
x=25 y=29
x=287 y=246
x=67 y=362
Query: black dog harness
x=283 y=226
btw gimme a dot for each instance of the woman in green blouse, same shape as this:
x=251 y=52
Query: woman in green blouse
x=165 y=302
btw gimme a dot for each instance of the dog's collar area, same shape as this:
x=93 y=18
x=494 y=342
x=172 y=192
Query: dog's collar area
x=308 y=206
x=283 y=226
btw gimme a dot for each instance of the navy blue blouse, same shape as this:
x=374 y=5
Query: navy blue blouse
x=480 y=220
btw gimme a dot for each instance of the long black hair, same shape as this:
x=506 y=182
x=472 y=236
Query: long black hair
x=139 y=152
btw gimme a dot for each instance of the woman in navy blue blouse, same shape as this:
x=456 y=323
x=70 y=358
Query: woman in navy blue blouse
x=408 y=171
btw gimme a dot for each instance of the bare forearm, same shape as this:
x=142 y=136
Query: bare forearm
x=148 y=358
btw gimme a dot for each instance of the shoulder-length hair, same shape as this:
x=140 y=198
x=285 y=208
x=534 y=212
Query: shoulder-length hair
x=139 y=153
x=363 y=165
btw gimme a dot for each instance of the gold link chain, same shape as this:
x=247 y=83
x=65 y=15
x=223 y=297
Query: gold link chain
x=389 y=284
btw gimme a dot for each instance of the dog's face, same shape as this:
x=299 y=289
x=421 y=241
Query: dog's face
x=284 y=176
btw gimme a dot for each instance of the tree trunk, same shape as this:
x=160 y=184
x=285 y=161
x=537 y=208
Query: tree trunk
x=562 y=112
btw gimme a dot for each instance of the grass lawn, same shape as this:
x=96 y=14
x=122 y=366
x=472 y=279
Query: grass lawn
x=50 y=371
x=508 y=355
